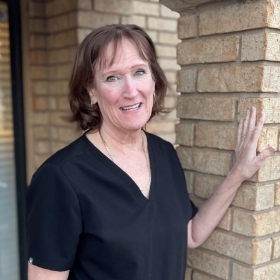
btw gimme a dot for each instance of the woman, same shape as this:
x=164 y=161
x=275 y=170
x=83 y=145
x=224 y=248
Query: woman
x=113 y=204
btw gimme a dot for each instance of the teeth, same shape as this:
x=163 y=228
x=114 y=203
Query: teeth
x=130 y=108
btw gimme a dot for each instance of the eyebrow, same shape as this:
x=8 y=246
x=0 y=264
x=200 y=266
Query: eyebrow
x=113 y=70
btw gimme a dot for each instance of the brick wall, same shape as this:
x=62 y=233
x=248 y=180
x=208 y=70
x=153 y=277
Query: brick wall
x=229 y=58
x=55 y=28
x=53 y=40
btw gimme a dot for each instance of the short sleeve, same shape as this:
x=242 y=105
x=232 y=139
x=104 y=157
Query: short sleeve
x=194 y=209
x=54 y=221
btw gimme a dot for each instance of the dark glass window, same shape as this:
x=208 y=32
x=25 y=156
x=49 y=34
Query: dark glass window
x=9 y=253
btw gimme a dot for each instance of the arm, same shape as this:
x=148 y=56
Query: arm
x=246 y=163
x=38 y=273
x=54 y=223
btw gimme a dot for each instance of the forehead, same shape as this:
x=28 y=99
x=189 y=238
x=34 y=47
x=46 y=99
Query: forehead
x=121 y=52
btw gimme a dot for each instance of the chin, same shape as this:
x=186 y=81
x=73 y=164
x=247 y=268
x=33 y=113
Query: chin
x=135 y=125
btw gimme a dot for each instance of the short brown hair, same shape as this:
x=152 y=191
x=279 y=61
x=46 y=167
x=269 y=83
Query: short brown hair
x=90 y=54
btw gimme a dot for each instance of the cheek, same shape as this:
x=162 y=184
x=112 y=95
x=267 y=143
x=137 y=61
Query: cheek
x=147 y=89
x=107 y=97
x=150 y=102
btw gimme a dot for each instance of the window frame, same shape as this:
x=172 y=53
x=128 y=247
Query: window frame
x=14 y=15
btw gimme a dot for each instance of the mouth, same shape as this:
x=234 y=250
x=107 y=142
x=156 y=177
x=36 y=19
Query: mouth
x=131 y=108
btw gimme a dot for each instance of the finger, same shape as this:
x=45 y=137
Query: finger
x=258 y=129
x=239 y=132
x=251 y=124
x=266 y=153
x=245 y=125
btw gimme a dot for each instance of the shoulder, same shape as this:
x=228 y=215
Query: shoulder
x=163 y=150
x=53 y=174
x=69 y=153
x=159 y=142
x=72 y=153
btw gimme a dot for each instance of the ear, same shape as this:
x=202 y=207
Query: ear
x=92 y=96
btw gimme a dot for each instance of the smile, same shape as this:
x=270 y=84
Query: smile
x=131 y=108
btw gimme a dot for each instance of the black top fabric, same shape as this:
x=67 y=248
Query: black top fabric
x=86 y=215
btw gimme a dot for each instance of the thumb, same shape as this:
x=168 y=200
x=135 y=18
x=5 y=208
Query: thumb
x=266 y=153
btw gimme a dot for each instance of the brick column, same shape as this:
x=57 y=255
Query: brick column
x=229 y=58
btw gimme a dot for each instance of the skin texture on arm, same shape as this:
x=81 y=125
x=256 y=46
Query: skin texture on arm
x=246 y=163
x=38 y=273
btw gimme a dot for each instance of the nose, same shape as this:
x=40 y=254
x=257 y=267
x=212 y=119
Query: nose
x=129 y=88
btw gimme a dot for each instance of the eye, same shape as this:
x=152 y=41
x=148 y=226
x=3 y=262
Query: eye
x=140 y=72
x=111 y=79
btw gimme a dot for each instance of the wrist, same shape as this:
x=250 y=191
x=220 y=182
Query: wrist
x=234 y=178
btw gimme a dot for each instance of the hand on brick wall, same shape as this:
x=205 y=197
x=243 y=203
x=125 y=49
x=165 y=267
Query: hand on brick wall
x=246 y=163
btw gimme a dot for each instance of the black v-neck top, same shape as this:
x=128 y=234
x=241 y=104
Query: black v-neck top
x=86 y=215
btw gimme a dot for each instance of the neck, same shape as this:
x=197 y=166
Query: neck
x=122 y=149
x=122 y=140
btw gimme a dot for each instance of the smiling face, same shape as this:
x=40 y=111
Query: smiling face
x=124 y=90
